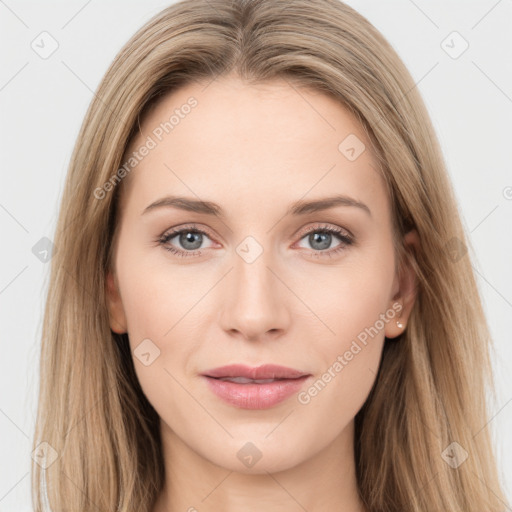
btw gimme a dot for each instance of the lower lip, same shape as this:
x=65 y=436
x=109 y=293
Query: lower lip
x=255 y=396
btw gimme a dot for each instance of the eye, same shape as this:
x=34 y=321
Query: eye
x=190 y=238
x=321 y=237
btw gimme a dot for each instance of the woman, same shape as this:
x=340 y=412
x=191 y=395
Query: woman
x=321 y=345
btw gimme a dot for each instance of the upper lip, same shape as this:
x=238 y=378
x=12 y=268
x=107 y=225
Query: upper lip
x=266 y=371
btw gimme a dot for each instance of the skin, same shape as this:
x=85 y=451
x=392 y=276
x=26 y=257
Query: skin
x=254 y=150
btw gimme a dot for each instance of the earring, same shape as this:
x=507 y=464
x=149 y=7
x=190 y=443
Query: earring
x=398 y=323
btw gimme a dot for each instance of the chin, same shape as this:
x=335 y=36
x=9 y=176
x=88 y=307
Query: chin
x=255 y=457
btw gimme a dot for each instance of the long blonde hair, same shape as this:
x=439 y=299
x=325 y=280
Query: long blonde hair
x=96 y=433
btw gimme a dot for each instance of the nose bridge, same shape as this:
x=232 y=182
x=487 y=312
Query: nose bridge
x=255 y=304
x=254 y=280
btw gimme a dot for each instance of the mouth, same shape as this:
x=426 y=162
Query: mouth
x=244 y=380
x=263 y=372
x=254 y=388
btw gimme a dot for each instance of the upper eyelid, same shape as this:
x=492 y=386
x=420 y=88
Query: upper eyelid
x=194 y=227
x=339 y=229
x=176 y=231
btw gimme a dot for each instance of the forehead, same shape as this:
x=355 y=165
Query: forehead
x=270 y=142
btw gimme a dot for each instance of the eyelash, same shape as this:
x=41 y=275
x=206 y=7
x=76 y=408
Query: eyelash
x=345 y=239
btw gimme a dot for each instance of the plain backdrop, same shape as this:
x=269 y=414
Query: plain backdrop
x=43 y=98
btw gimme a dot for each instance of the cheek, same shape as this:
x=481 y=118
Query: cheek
x=161 y=301
x=334 y=397
x=157 y=294
x=356 y=308
x=350 y=360
x=161 y=340
x=351 y=297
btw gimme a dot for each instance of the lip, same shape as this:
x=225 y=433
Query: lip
x=265 y=371
x=255 y=395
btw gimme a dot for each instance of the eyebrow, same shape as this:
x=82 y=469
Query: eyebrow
x=300 y=207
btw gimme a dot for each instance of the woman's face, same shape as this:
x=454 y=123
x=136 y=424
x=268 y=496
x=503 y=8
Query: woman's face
x=267 y=276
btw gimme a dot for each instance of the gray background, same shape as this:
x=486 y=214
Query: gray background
x=43 y=101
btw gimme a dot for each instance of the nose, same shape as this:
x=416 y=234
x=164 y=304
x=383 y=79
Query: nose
x=254 y=301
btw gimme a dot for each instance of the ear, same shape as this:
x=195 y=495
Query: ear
x=115 y=306
x=405 y=284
